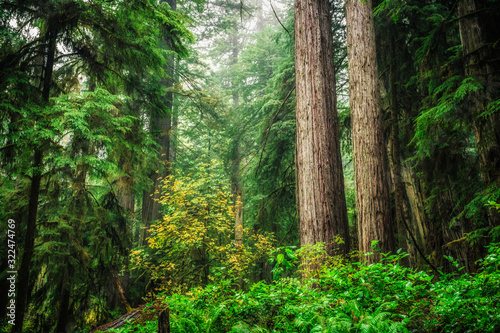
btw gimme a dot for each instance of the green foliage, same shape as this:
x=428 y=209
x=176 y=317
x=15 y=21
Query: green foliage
x=235 y=106
x=107 y=80
x=284 y=261
x=352 y=297
x=444 y=116
x=195 y=239
x=149 y=326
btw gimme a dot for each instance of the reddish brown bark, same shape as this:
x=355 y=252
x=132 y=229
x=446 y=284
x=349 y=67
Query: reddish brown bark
x=372 y=193
x=320 y=182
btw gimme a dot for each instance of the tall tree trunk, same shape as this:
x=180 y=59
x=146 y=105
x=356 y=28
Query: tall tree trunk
x=24 y=270
x=321 y=201
x=479 y=32
x=125 y=184
x=372 y=192
x=148 y=207
x=160 y=128
x=395 y=155
x=237 y=191
x=175 y=122
x=235 y=153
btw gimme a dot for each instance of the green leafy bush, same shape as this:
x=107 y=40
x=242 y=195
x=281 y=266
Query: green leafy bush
x=348 y=297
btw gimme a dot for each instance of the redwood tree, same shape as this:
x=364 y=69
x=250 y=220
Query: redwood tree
x=372 y=193
x=321 y=201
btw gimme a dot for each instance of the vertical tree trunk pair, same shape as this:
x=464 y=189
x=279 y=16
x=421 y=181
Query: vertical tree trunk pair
x=320 y=184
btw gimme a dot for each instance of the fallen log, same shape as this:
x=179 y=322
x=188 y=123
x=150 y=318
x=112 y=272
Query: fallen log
x=136 y=315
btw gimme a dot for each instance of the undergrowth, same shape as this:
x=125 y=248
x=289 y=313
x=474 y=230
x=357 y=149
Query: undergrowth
x=343 y=297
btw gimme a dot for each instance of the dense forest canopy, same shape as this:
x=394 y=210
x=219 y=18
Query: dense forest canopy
x=250 y=166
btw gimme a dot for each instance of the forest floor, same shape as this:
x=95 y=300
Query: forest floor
x=345 y=297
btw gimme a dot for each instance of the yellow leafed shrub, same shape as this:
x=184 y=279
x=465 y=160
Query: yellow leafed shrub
x=195 y=237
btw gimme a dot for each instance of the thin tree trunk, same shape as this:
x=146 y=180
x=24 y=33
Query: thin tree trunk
x=321 y=201
x=24 y=270
x=238 y=219
x=395 y=156
x=64 y=298
x=236 y=188
x=175 y=121
x=416 y=207
x=372 y=192
x=237 y=192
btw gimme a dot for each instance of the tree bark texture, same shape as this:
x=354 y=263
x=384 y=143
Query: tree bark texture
x=160 y=130
x=320 y=199
x=372 y=193
x=24 y=270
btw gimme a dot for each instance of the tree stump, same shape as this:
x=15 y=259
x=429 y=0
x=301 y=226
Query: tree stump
x=164 y=321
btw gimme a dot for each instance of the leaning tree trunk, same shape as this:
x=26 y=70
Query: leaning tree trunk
x=372 y=192
x=321 y=201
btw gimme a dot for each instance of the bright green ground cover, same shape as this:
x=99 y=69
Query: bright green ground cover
x=349 y=297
